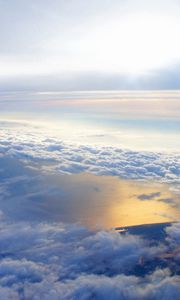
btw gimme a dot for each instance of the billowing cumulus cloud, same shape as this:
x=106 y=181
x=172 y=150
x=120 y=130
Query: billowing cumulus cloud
x=57 y=261
x=32 y=145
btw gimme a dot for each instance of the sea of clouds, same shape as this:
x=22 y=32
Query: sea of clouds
x=32 y=144
x=57 y=261
x=54 y=261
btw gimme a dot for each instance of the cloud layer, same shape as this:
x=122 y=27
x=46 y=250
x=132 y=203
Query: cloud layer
x=54 y=261
x=31 y=144
x=57 y=261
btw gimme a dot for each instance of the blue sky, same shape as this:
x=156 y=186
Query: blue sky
x=82 y=45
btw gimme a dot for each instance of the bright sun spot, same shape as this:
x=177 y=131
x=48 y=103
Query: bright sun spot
x=133 y=44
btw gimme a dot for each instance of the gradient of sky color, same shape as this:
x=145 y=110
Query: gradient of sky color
x=81 y=45
x=143 y=120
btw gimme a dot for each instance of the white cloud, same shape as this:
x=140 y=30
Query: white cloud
x=54 y=261
x=33 y=145
x=57 y=261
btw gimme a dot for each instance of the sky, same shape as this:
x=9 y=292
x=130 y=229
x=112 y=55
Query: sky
x=72 y=101
x=89 y=45
x=138 y=120
x=53 y=51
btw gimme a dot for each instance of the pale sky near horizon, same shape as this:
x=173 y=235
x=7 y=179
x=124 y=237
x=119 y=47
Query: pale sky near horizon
x=82 y=45
x=141 y=120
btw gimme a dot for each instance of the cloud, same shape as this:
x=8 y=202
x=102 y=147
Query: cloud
x=174 y=233
x=34 y=146
x=171 y=201
x=117 y=288
x=149 y=196
x=58 y=261
x=158 y=79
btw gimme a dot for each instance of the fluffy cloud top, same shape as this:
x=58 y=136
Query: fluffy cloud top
x=54 y=261
x=32 y=144
x=57 y=261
